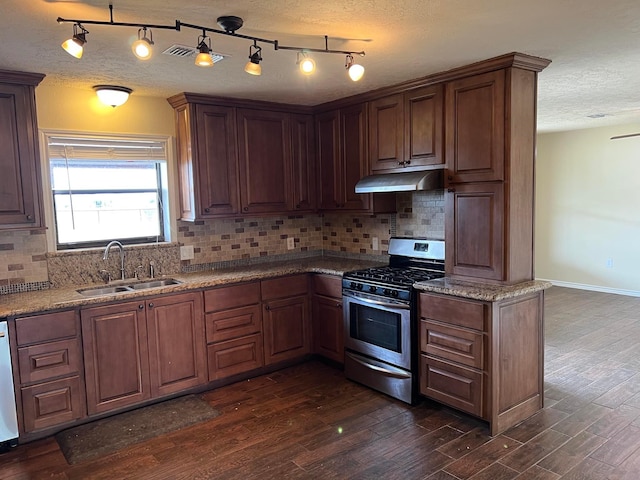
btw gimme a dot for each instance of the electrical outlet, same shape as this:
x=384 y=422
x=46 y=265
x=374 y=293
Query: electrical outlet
x=291 y=243
x=609 y=263
x=186 y=252
x=375 y=244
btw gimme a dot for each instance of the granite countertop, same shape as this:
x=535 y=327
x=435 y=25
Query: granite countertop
x=481 y=291
x=68 y=297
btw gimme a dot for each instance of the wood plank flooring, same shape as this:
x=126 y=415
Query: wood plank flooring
x=308 y=422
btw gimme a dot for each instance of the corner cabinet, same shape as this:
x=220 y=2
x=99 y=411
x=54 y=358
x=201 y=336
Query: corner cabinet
x=243 y=161
x=328 y=321
x=490 y=150
x=138 y=350
x=483 y=358
x=20 y=197
x=341 y=137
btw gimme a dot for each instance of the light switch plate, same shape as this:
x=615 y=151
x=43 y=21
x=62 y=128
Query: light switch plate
x=186 y=252
x=375 y=244
x=291 y=243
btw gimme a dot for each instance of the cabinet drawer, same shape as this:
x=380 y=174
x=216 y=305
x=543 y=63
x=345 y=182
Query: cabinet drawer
x=48 y=360
x=453 y=385
x=224 y=298
x=44 y=328
x=327 y=285
x=52 y=403
x=284 y=287
x=235 y=356
x=464 y=313
x=456 y=344
x=234 y=323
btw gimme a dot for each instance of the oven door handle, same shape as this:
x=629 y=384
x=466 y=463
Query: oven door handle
x=398 y=306
x=386 y=371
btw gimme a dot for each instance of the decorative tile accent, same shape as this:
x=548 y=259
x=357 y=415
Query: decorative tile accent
x=421 y=214
x=23 y=259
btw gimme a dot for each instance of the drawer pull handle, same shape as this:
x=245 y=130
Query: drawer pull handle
x=1 y=334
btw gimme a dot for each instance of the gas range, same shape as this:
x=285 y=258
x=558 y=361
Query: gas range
x=411 y=260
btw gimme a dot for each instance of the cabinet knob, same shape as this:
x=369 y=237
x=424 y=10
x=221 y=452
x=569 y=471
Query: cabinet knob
x=29 y=217
x=141 y=307
x=150 y=304
x=451 y=189
x=267 y=307
x=298 y=206
x=339 y=305
x=400 y=163
x=246 y=209
x=207 y=210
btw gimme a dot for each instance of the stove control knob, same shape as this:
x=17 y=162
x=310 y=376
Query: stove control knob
x=372 y=289
x=353 y=285
x=387 y=292
x=394 y=293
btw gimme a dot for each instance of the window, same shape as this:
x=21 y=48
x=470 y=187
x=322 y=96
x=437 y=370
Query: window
x=107 y=188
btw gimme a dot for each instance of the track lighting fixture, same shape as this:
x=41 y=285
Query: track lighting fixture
x=112 y=94
x=75 y=45
x=355 y=70
x=306 y=64
x=204 y=58
x=142 y=47
x=229 y=24
x=253 y=65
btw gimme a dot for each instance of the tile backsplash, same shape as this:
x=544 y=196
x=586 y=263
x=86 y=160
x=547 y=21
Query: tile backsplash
x=26 y=265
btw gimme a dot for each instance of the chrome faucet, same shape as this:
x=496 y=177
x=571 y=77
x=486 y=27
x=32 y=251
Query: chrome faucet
x=121 y=248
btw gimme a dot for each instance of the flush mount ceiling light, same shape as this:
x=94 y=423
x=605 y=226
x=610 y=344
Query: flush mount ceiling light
x=204 y=58
x=355 y=70
x=142 y=47
x=229 y=24
x=112 y=95
x=306 y=64
x=253 y=65
x=75 y=45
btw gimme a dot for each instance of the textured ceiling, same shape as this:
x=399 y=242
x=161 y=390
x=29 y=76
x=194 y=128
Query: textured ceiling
x=594 y=47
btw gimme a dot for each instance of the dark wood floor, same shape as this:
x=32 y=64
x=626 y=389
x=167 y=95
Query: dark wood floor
x=308 y=422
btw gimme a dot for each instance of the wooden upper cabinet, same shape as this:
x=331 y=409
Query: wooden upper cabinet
x=355 y=165
x=264 y=152
x=423 y=126
x=406 y=130
x=386 y=132
x=304 y=163
x=20 y=198
x=475 y=128
x=207 y=161
x=329 y=162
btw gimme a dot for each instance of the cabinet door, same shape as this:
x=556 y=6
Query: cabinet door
x=19 y=161
x=386 y=144
x=328 y=328
x=286 y=329
x=475 y=230
x=304 y=163
x=329 y=162
x=265 y=161
x=355 y=164
x=177 y=351
x=116 y=359
x=213 y=176
x=475 y=118
x=235 y=356
x=52 y=403
x=423 y=126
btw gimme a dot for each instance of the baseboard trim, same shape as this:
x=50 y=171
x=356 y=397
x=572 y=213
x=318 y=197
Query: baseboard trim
x=593 y=288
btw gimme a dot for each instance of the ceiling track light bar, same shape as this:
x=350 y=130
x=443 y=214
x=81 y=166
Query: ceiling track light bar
x=231 y=32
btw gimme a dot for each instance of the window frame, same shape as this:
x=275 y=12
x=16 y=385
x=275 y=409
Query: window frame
x=164 y=171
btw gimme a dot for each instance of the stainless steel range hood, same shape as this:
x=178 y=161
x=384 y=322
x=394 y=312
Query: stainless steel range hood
x=401 y=182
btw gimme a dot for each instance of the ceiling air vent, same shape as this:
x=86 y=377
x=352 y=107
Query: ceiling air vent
x=186 y=51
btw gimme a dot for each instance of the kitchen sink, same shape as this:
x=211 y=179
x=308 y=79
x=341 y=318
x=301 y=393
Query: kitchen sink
x=132 y=287
x=155 y=283
x=94 y=292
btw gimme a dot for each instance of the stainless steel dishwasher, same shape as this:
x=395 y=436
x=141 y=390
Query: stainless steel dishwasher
x=8 y=420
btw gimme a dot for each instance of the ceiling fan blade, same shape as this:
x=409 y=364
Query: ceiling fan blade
x=625 y=136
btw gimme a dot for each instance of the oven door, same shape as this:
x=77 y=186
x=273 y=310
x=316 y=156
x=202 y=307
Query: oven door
x=378 y=327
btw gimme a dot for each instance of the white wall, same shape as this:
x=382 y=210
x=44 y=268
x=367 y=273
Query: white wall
x=588 y=209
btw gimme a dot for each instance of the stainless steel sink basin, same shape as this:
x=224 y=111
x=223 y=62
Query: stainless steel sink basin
x=94 y=292
x=155 y=283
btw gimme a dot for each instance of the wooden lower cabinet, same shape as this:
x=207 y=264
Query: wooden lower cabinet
x=484 y=358
x=327 y=317
x=48 y=371
x=285 y=318
x=137 y=350
x=233 y=329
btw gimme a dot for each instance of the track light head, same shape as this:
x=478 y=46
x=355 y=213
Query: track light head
x=253 y=65
x=204 y=58
x=306 y=64
x=74 y=46
x=355 y=71
x=142 y=46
